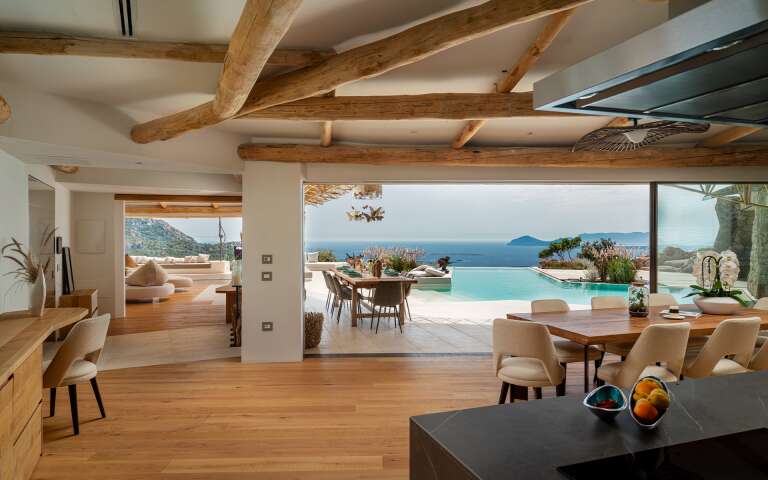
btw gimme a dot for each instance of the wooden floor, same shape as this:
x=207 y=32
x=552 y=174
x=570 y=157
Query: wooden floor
x=180 y=310
x=331 y=418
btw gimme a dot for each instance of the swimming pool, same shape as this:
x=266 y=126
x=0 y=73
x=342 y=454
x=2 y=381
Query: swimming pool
x=474 y=284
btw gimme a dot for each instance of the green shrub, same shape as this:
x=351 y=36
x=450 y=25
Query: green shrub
x=402 y=263
x=621 y=270
x=326 y=256
x=564 y=264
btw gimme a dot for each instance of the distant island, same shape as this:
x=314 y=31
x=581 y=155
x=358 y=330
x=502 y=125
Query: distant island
x=622 y=238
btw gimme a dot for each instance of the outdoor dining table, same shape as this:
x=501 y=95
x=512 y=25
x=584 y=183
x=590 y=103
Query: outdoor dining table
x=369 y=281
x=612 y=325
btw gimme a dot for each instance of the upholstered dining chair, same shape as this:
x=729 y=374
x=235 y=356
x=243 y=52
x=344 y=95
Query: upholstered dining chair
x=75 y=362
x=612 y=301
x=567 y=351
x=762 y=338
x=733 y=338
x=661 y=300
x=524 y=356
x=659 y=351
x=759 y=362
x=387 y=296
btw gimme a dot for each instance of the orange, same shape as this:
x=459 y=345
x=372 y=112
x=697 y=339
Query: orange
x=659 y=399
x=645 y=387
x=645 y=411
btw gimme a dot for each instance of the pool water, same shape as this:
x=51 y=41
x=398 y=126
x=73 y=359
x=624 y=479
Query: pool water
x=474 y=284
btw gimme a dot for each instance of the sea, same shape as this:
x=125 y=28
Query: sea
x=462 y=253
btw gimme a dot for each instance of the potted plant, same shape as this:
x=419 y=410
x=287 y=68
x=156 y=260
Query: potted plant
x=717 y=274
x=443 y=262
x=30 y=270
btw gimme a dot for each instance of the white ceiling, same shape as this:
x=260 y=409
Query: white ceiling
x=158 y=87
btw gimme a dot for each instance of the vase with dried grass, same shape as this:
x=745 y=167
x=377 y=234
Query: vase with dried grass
x=29 y=269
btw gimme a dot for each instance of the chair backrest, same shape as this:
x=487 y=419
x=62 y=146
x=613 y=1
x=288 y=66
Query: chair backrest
x=83 y=342
x=760 y=360
x=550 y=305
x=658 y=343
x=327 y=278
x=608 y=301
x=761 y=304
x=388 y=294
x=521 y=338
x=335 y=284
x=661 y=300
x=735 y=336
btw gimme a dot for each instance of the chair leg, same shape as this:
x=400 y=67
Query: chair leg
x=512 y=393
x=560 y=389
x=73 y=408
x=598 y=364
x=397 y=319
x=53 y=401
x=378 y=320
x=521 y=393
x=408 y=309
x=504 y=392
x=97 y=394
x=537 y=392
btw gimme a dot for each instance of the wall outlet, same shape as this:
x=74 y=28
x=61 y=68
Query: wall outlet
x=266 y=326
x=266 y=276
x=266 y=259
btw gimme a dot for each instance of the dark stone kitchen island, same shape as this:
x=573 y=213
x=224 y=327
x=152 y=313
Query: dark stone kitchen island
x=531 y=440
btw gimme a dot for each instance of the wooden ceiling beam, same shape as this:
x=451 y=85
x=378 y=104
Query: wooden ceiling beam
x=326 y=136
x=33 y=43
x=508 y=157
x=366 y=61
x=261 y=26
x=182 y=211
x=141 y=197
x=5 y=110
x=448 y=106
x=727 y=136
x=545 y=38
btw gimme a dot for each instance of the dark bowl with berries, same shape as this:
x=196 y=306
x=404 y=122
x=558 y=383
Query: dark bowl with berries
x=606 y=402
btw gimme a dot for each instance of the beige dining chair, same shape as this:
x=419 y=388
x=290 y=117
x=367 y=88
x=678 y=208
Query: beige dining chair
x=612 y=301
x=762 y=338
x=759 y=362
x=75 y=362
x=524 y=356
x=567 y=351
x=388 y=296
x=661 y=300
x=734 y=338
x=659 y=351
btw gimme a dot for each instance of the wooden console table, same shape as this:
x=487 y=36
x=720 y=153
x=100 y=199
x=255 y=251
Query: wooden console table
x=21 y=386
x=233 y=306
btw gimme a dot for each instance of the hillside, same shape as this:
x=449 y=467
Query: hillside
x=528 y=241
x=622 y=238
x=157 y=238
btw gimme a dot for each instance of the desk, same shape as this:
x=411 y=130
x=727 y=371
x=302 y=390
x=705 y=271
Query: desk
x=21 y=385
x=369 y=281
x=611 y=325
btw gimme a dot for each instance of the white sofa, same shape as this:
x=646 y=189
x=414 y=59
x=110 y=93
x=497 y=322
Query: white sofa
x=192 y=264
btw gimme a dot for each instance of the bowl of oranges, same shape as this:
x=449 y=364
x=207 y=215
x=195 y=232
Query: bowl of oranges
x=649 y=402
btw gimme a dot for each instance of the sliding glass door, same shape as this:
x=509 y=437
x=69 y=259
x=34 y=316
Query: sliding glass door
x=722 y=216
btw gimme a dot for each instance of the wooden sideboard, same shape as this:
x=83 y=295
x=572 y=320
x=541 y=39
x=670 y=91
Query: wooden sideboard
x=21 y=386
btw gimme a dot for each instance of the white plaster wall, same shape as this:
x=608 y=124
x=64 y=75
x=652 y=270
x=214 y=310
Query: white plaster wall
x=14 y=222
x=272 y=224
x=103 y=271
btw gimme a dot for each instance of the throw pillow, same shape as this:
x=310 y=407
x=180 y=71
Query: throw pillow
x=203 y=257
x=129 y=262
x=148 y=275
x=313 y=257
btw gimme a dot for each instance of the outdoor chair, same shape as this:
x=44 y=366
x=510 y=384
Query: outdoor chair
x=659 y=351
x=733 y=338
x=388 y=297
x=524 y=356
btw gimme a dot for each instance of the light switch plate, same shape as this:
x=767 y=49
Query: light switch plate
x=266 y=259
x=266 y=276
x=267 y=326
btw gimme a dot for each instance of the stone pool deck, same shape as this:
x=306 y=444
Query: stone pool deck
x=440 y=324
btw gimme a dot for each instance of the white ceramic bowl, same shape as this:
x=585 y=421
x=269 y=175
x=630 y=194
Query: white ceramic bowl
x=717 y=305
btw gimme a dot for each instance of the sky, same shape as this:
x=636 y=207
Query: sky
x=497 y=212
x=485 y=212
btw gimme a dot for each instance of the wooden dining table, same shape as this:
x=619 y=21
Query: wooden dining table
x=369 y=281
x=612 y=325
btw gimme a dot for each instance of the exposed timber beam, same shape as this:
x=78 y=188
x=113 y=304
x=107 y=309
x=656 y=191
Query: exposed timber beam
x=366 y=61
x=5 y=110
x=141 y=197
x=182 y=211
x=450 y=106
x=56 y=44
x=261 y=26
x=727 y=136
x=545 y=38
x=326 y=137
x=66 y=168
x=619 y=122
x=508 y=157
